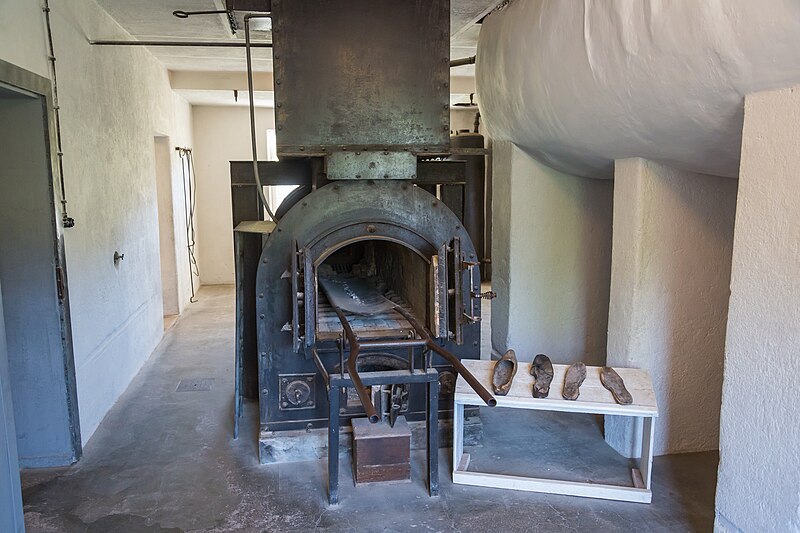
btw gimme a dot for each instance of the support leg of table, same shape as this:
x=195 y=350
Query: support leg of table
x=458 y=433
x=646 y=461
x=433 y=438
x=333 y=445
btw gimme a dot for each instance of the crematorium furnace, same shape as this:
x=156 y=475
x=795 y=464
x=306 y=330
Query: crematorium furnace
x=364 y=294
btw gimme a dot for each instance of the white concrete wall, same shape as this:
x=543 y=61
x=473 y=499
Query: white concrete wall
x=221 y=135
x=758 y=487
x=673 y=233
x=21 y=21
x=551 y=260
x=114 y=100
x=463 y=119
x=182 y=135
x=166 y=226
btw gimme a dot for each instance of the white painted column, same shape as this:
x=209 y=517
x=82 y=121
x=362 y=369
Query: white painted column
x=758 y=487
x=551 y=259
x=670 y=272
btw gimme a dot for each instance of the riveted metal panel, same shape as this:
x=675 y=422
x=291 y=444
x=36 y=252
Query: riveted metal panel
x=372 y=166
x=361 y=73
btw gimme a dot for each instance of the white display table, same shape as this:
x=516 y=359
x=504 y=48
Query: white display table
x=594 y=399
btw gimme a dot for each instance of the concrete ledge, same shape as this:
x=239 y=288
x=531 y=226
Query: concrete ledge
x=312 y=445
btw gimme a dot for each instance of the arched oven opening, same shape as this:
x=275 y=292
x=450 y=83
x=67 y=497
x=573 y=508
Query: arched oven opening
x=366 y=280
x=365 y=275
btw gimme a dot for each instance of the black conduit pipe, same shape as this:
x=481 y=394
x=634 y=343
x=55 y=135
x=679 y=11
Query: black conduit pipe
x=66 y=220
x=463 y=61
x=191 y=44
x=253 y=111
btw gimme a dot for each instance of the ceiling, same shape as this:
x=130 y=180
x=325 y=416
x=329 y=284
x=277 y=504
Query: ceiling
x=153 y=20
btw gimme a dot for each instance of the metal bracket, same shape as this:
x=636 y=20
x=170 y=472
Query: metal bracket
x=471 y=318
x=488 y=295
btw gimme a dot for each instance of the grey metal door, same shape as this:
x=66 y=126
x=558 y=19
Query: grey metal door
x=33 y=275
x=10 y=492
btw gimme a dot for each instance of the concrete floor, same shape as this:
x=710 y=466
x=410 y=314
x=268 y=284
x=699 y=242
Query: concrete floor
x=165 y=461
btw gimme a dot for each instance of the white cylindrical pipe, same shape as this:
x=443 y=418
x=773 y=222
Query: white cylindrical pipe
x=581 y=83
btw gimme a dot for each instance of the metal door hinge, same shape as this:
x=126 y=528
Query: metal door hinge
x=60 y=282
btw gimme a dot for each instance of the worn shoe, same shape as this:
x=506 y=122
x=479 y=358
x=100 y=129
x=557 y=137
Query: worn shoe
x=542 y=372
x=573 y=381
x=504 y=370
x=613 y=382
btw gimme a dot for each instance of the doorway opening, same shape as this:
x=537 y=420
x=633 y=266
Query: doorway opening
x=166 y=231
x=33 y=279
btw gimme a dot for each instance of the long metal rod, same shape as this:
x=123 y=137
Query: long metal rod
x=320 y=366
x=203 y=44
x=181 y=14
x=455 y=361
x=253 y=112
x=361 y=390
x=392 y=344
x=463 y=61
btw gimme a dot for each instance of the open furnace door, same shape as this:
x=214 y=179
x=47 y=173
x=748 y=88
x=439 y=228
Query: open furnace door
x=447 y=279
x=304 y=301
x=297 y=267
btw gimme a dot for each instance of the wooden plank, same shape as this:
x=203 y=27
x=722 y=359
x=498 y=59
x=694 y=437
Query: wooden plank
x=594 y=398
x=464 y=463
x=255 y=226
x=364 y=429
x=391 y=473
x=636 y=477
x=550 y=486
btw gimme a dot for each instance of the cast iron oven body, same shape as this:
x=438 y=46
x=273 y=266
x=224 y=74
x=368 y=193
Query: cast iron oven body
x=334 y=216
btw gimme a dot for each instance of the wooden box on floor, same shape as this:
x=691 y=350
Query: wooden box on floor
x=380 y=452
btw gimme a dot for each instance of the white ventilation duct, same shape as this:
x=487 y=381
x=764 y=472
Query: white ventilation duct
x=579 y=84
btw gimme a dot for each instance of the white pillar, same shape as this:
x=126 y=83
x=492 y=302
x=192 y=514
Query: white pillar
x=758 y=487
x=551 y=259
x=670 y=272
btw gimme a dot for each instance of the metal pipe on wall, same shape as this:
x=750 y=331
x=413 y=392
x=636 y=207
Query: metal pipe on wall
x=209 y=44
x=253 y=111
x=66 y=220
x=463 y=61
